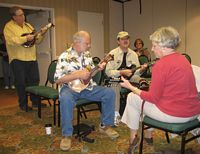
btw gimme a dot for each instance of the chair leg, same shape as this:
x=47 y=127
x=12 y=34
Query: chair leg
x=142 y=137
x=26 y=105
x=167 y=137
x=183 y=137
x=39 y=107
x=83 y=111
x=78 y=123
x=99 y=106
x=54 y=112
x=49 y=102
x=58 y=113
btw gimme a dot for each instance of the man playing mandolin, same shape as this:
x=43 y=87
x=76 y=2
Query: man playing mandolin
x=125 y=60
x=73 y=68
x=23 y=60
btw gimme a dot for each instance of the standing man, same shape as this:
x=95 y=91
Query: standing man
x=23 y=60
x=124 y=60
x=70 y=71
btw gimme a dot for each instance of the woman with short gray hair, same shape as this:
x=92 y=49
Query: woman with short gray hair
x=172 y=87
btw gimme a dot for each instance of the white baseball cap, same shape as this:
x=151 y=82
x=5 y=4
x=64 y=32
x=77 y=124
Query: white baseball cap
x=122 y=34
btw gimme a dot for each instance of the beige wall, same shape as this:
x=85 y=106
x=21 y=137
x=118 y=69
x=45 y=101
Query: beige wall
x=66 y=17
x=184 y=15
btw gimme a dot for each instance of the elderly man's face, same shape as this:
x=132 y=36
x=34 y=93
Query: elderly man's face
x=84 y=45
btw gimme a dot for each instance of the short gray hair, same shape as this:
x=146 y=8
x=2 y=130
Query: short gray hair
x=78 y=36
x=166 y=37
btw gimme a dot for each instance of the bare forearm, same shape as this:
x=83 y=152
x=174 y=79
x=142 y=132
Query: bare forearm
x=67 y=78
x=135 y=90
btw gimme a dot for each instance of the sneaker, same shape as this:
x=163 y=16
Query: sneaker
x=12 y=87
x=65 y=143
x=196 y=132
x=173 y=135
x=117 y=118
x=6 y=87
x=107 y=130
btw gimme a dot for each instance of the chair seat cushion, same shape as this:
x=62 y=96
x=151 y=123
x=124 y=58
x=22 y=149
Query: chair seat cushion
x=83 y=101
x=171 y=127
x=43 y=91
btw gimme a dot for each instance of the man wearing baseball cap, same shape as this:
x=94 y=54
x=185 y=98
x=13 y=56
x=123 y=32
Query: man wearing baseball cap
x=124 y=59
x=122 y=34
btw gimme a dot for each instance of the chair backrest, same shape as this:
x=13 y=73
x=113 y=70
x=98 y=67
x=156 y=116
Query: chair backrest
x=143 y=59
x=97 y=77
x=96 y=60
x=51 y=72
x=187 y=57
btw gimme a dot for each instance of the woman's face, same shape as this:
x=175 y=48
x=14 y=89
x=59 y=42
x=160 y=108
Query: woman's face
x=157 y=50
x=138 y=44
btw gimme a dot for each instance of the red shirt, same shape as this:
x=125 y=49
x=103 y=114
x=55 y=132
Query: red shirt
x=173 y=88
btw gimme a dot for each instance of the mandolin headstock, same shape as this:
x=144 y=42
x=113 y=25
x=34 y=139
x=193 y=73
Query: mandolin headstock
x=107 y=58
x=49 y=25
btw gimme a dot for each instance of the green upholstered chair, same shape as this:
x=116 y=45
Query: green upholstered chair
x=187 y=57
x=181 y=129
x=143 y=59
x=45 y=92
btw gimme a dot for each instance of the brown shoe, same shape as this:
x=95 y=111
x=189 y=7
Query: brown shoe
x=109 y=132
x=65 y=143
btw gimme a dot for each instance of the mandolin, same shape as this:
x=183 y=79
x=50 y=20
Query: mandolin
x=142 y=83
x=79 y=85
x=29 y=44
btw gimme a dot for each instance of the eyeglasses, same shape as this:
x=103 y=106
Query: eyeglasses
x=20 y=15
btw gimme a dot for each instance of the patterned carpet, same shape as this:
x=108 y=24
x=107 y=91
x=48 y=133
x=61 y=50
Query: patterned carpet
x=24 y=133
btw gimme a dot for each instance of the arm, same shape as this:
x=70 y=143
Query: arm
x=13 y=37
x=40 y=36
x=79 y=74
x=157 y=85
x=67 y=70
x=155 y=91
x=128 y=85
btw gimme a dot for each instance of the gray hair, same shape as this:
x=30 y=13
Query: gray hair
x=166 y=37
x=78 y=36
x=14 y=9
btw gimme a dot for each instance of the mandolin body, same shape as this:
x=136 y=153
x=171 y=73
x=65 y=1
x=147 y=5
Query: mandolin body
x=29 y=44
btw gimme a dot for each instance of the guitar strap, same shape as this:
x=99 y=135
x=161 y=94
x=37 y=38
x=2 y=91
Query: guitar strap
x=123 y=65
x=83 y=61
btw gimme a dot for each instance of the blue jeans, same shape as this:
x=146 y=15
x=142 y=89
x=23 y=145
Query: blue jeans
x=68 y=100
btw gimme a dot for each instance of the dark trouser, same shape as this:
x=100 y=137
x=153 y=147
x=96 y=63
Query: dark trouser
x=26 y=73
x=7 y=73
